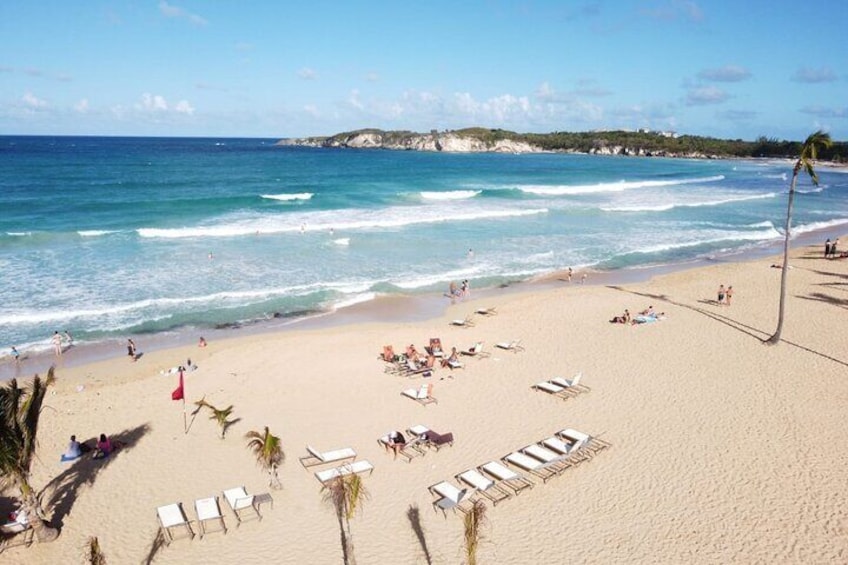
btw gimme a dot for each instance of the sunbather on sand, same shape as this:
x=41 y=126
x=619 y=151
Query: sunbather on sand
x=623 y=319
x=452 y=358
x=396 y=442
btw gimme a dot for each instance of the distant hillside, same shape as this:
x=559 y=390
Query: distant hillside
x=642 y=143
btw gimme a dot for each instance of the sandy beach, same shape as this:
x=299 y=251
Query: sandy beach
x=723 y=450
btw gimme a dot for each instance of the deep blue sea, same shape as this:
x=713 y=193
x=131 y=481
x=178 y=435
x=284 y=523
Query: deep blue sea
x=110 y=237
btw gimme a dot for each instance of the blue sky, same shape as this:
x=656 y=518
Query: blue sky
x=730 y=69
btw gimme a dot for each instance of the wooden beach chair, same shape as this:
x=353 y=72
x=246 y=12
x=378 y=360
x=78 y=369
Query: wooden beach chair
x=514 y=345
x=316 y=457
x=485 y=487
x=422 y=395
x=449 y=497
x=355 y=467
x=506 y=477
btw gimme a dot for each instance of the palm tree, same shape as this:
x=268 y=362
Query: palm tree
x=474 y=521
x=219 y=415
x=93 y=553
x=20 y=410
x=346 y=493
x=269 y=453
x=809 y=152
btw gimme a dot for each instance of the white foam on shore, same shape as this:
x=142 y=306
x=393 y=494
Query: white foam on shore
x=94 y=233
x=815 y=226
x=353 y=300
x=285 y=197
x=666 y=207
x=619 y=186
x=450 y=195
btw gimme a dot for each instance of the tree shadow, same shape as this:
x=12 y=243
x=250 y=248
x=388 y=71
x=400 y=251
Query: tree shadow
x=827 y=299
x=64 y=487
x=756 y=333
x=414 y=516
x=227 y=426
x=155 y=546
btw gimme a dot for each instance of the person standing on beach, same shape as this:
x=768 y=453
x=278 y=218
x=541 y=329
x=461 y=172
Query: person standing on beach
x=583 y=278
x=17 y=355
x=131 y=349
x=68 y=337
x=827 y=248
x=728 y=295
x=57 y=344
x=570 y=274
x=833 y=248
x=721 y=294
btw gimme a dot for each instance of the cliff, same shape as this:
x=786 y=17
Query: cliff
x=449 y=142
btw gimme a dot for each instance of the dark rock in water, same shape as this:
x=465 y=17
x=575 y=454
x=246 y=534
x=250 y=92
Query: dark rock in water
x=228 y=326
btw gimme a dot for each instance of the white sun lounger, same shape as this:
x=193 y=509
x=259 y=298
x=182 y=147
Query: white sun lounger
x=506 y=476
x=466 y=323
x=556 y=461
x=485 y=486
x=355 y=467
x=207 y=509
x=589 y=444
x=410 y=450
x=316 y=457
x=531 y=465
x=172 y=516
x=571 y=386
x=569 y=450
x=422 y=395
x=450 y=497
x=514 y=345
x=240 y=502
x=549 y=387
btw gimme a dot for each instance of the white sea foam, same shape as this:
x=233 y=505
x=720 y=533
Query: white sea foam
x=811 y=190
x=357 y=299
x=18 y=233
x=619 y=186
x=352 y=220
x=342 y=241
x=286 y=197
x=665 y=207
x=761 y=235
x=94 y=233
x=450 y=195
x=815 y=226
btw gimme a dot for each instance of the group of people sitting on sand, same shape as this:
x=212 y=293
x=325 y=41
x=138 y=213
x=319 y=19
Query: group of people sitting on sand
x=645 y=316
x=415 y=361
x=102 y=448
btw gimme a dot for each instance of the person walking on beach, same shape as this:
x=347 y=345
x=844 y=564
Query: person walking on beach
x=827 y=248
x=570 y=274
x=57 y=344
x=17 y=355
x=728 y=295
x=131 y=349
x=721 y=294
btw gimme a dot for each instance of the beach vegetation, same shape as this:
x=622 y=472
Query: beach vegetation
x=93 y=553
x=809 y=152
x=220 y=415
x=474 y=521
x=269 y=454
x=346 y=494
x=20 y=411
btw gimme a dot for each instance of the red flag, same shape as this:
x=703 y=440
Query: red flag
x=179 y=392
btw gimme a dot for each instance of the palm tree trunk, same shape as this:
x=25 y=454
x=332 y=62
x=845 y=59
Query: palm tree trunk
x=43 y=532
x=784 y=270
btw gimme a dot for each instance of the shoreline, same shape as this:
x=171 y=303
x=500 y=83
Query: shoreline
x=713 y=435
x=385 y=309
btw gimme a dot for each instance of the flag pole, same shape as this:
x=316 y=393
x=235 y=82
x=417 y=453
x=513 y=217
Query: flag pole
x=185 y=422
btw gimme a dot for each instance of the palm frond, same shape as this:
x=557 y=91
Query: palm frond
x=474 y=521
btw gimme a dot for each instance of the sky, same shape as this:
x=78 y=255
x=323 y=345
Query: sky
x=274 y=68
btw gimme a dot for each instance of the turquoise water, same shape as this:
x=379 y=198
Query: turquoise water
x=109 y=237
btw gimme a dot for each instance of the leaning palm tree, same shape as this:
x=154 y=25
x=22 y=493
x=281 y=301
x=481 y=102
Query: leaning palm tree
x=20 y=410
x=809 y=152
x=269 y=453
x=218 y=414
x=346 y=493
x=474 y=521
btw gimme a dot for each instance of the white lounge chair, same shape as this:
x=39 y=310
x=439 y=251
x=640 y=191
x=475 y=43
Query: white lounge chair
x=450 y=497
x=589 y=444
x=355 y=467
x=486 y=311
x=422 y=395
x=207 y=509
x=514 y=345
x=429 y=438
x=485 y=486
x=410 y=450
x=316 y=457
x=240 y=502
x=468 y=322
x=505 y=476
x=556 y=461
x=172 y=516
x=570 y=450
x=531 y=465
x=475 y=350
x=549 y=387
x=17 y=532
x=571 y=386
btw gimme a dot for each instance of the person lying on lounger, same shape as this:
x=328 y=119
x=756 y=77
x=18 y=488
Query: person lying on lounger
x=396 y=442
x=452 y=359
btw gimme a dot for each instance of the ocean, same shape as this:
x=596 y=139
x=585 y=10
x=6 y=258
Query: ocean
x=111 y=238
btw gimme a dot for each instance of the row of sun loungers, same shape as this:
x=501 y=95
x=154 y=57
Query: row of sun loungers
x=468 y=321
x=497 y=481
x=314 y=458
x=562 y=387
x=173 y=517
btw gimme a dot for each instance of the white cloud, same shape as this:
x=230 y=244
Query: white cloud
x=728 y=73
x=152 y=103
x=705 y=95
x=183 y=107
x=806 y=74
x=176 y=12
x=81 y=106
x=307 y=74
x=32 y=102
